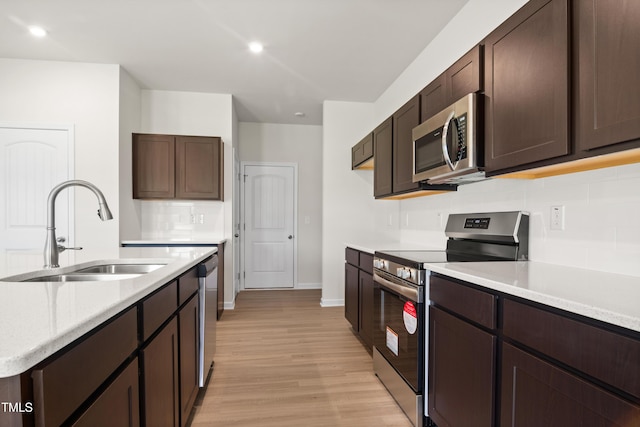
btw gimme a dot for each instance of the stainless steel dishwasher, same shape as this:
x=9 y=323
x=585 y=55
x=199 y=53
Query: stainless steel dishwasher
x=208 y=291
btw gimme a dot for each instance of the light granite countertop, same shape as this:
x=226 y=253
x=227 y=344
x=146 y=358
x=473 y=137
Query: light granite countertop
x=39 y=318
x=607 y=297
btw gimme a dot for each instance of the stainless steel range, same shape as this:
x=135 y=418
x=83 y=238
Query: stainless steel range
x=401 y=292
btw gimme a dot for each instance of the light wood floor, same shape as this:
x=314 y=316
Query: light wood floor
x=282 y=360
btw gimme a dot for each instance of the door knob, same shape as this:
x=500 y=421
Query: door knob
x=290 y=237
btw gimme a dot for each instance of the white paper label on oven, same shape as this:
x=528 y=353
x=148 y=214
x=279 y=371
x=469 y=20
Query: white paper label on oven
x=392 y=341
x=410 y=317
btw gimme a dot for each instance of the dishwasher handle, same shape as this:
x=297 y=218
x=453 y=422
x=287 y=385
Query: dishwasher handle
x=206 y=267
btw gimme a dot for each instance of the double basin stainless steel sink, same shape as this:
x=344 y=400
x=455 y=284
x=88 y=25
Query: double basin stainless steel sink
x=101 y=272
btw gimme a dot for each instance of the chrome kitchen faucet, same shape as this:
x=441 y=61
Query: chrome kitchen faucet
x=51 y=247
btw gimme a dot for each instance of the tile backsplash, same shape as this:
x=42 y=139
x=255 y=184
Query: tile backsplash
x=183 y=219
x=601 y=209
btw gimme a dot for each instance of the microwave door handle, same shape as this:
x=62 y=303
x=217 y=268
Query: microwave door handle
x=445 y=149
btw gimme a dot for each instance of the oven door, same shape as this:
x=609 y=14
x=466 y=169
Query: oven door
x=399 y=327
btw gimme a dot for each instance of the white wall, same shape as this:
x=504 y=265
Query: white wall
x=601 y=206
x=349 y=211
x=130 y=110
x=201 y=114
x=85 y=96
x=301 y=144
x=186 y=113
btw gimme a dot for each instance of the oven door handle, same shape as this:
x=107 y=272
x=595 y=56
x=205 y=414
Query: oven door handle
x=407 y=291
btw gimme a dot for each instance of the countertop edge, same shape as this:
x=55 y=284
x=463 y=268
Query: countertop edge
x=165 y=242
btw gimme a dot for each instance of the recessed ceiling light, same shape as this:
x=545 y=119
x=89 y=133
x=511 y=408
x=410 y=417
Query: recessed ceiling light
x=299 y=114
x=38 y=31
x=255 y=47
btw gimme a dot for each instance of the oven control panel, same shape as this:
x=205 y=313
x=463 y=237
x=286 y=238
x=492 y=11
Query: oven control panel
x=405 y=273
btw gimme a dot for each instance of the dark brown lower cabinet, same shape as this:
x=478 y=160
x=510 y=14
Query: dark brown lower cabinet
x=351 y=295
x=81 y=370
x=160 y=378
x=536 y=393
x=188 y=322
x=358 y=294
x=554 y=368
x=366 y=307
x=118 y=405
x=462 y=361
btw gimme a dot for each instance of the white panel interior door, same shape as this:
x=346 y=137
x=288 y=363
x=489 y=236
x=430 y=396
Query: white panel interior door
x=34 y=160
x=269 y=218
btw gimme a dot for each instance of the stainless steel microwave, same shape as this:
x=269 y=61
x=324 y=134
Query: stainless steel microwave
x=446 y=148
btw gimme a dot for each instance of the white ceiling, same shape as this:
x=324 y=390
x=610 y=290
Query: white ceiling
x=347 y=50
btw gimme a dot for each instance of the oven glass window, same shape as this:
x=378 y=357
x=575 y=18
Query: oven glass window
x=398 y=337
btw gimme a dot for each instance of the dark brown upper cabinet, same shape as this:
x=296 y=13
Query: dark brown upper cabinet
x=362 y=153
x=177 y=167
x=153 y=166
x=526 y=82
x=199 y=168
x=607 y=72
x=404 y=120
x=383 y=149
x=462 y=78
x=433 y=98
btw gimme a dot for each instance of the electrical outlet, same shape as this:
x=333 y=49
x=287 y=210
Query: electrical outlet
x=201 y=218
x=557 y=218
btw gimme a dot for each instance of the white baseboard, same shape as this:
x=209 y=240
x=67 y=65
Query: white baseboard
x=324 y=302
x=309 y=286
x=229 y=305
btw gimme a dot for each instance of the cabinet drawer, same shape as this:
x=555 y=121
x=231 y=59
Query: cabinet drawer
x=158 y=308
x=187 y=285
x=352 y=256
x=602 y=354
x=63 y=384
x=366 y=262
x=118 y=405
x=475 y=305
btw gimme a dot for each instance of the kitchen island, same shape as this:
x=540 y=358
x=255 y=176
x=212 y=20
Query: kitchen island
x=46 y=326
